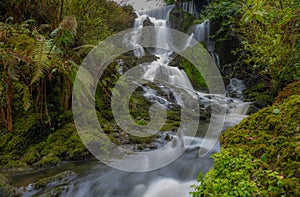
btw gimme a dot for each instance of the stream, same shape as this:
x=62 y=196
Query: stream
x=175 y=179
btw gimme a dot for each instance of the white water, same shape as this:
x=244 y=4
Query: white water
x=174 y=180
x=173 y=75
x=201 y=34
x=165 y=186
x=190 y=8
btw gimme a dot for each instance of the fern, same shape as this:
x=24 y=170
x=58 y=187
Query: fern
x=25 y=94
x=41 y=59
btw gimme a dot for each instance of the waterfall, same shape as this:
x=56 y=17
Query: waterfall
x=159 y=13
x=176 y=178
x=160 y=68
x=235 y=88
x=172 y=75
x=202 y=32
x=190 y=8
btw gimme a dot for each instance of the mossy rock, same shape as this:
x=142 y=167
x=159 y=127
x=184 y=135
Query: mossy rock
x=6 y=190
x=259 y=95
x=272 y=134
x=196 y=78
x=63 y=144
x=142 y=140
x=291 y=89
x=181 y=20
x=48 y=160
x=171 y=126
x=54 y=192
x=32 y=155
x=60 y=178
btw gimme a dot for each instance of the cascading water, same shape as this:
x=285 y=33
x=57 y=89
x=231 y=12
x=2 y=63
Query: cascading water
x=201 y=34
x=190 y=8
x=175 y=179
x=161 y=13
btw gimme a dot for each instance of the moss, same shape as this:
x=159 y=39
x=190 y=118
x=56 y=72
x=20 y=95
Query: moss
x=193 y=74
x=170 y=126
x=142 y=140
x=291 y=89
x=31 y=156
x=259 y=95
x=48 y=160
x=6 y=190
x=61 y=177
x=180 y=20
x=65 y=144
x=54 y=192
x=23 y=125
x=273 y=134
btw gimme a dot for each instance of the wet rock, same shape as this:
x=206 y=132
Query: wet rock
x=147 y=22
x=59 y=179
x=167 y=137
x=54 y=192
x=48 y=160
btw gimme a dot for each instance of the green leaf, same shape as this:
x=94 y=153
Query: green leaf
x=264 y=158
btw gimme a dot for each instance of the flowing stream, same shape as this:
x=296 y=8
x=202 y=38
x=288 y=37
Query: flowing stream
x=176 y=178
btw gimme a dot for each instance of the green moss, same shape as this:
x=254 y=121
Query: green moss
x=48 y=160
x=6 y=190
x=274 y=137
x=291 y=89
x=170 y=126
x=59 y=177
x=259 y=95
x=23 y=125
x=262 y=152
x=181 y=20
x=142 y=140
x=194 y=75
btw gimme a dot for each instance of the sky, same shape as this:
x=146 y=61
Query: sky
x=143 y=4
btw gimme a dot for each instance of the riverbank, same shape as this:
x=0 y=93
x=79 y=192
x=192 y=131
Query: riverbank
x=260 y=156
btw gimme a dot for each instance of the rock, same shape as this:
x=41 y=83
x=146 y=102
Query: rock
x=54 y=192
x=6 y=189
x=147 y=22
x=48 y=160
x=59 y=179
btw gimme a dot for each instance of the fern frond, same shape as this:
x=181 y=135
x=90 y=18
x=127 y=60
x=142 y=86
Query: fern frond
x=25 y=93
x=41 y=59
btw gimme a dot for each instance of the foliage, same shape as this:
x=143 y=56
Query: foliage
x=42 y=44
x=224 y=16
x=29 y=62
x=272 y=134
x=269 y=35
x=168 y=2
x=237 y=173
x=270 y=32
x=97 y=19
x=289 y=90
x=260 y=156
x=43 y=11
